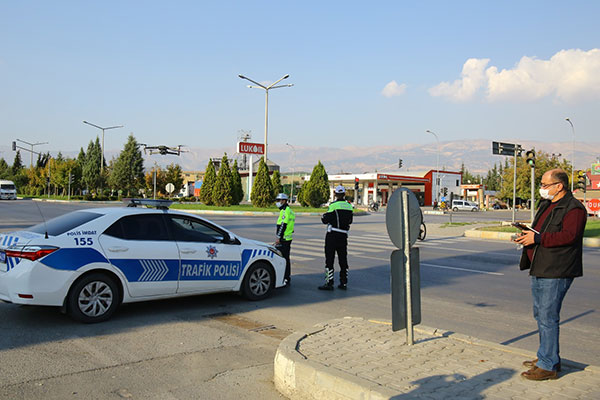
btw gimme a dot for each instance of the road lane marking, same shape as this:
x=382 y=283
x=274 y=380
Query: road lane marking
x=446 y=267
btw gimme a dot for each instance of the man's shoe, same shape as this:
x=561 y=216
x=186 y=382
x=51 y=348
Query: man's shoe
x=342 y=286
x=326 y=287
x=531 y=364
x=538 y=374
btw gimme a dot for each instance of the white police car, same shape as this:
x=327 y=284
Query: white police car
x=88 y=262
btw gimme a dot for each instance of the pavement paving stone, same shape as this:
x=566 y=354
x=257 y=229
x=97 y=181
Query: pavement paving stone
x=443 y=365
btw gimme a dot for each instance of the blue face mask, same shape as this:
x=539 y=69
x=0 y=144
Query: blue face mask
x=279 y=204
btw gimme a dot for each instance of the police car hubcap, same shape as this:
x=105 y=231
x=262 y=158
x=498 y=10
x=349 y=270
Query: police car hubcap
x=95 y=299
x=260 y=281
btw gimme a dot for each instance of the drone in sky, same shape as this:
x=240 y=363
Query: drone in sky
x=163 y=150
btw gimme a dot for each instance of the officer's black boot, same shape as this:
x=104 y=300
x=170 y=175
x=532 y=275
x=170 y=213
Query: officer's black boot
x=342 y=286
x=326 y=286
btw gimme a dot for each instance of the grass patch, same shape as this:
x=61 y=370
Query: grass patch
x=592 y=228
x=450 y=225
x=243 y=207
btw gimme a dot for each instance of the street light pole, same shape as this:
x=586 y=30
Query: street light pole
x=266 y=89
x=293 y=171
x=437 y=165
x=32 y=144
x=572 y=150
x=102 y=147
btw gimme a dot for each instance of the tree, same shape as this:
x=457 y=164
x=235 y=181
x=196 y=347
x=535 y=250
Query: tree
x=262 y=190
x=237 y=193
x=161 y=181
x=17 y=164
x=276 y=183
x=210 y=178
x=91 y=167
x=222 y=190
x=128 y=170
x=315 y=192
x=4 y=169
x=174 y=175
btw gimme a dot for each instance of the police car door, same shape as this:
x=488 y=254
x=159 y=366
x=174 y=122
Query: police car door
x=140 y=247
x=210 y=261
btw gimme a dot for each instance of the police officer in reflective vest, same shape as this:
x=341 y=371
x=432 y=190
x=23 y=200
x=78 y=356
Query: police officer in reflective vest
x=285 y=229
x=338 y=219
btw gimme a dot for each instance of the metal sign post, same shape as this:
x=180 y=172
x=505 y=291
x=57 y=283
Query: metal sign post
x=509 y=149
x=403 y=221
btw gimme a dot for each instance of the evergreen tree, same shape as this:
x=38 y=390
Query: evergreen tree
x=208 y=184
x=17 y=164
x=262 y=190
x=222 y=190
x=174 y=175
x=236 y=185
x=276 y=183
x=4 y=169
x=128 y=170
x=317 y=191
x=91 y=166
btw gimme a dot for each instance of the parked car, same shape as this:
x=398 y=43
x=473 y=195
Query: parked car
x=88 y=262
x=8 y=190
x=464 y=205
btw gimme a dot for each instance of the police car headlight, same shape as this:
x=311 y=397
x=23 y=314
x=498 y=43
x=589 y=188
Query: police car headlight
x=275 y=250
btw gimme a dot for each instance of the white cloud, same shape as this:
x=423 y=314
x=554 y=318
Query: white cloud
x=472 y=78
x=393 y=89
x=568 y=75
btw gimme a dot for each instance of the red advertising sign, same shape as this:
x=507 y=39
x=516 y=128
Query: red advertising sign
x=593 y=205
x=250 y=148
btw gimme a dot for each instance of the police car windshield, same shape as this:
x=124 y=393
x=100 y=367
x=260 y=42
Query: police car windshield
x=64 y=223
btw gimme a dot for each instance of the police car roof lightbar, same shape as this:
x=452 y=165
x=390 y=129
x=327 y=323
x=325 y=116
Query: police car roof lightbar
x=159 y=204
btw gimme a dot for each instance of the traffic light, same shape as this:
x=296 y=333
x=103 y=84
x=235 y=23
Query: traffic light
x=14 y=146
x=356 y=184
x=400 y=163
x=445 y=191
x=530 y=158
x=581 y=181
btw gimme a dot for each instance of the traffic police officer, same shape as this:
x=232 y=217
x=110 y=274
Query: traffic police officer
x=285 y=229
x=338 y=219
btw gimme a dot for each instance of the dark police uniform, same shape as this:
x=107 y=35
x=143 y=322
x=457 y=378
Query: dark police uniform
x=338 y=219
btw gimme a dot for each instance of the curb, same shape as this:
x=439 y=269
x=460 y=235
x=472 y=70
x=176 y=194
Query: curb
x=297 y=377
x=474 y=233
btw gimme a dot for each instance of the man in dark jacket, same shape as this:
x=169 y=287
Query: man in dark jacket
x=553 y=257
x=338 y=219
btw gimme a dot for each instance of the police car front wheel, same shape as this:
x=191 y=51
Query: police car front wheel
x=259 y=281
x=94 y=298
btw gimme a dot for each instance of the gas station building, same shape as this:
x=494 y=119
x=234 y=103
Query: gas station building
x=378 y=187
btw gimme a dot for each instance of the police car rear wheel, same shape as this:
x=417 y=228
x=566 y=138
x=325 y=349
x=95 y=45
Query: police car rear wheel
x=93 y=299
x=259 y=282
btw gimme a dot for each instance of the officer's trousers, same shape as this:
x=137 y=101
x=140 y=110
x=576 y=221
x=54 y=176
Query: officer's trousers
x=336 y=242
x=285 y=248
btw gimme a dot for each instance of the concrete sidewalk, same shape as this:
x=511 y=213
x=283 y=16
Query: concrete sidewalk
x=352 y=358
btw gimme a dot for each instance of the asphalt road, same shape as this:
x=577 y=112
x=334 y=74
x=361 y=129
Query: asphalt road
x=181 y=347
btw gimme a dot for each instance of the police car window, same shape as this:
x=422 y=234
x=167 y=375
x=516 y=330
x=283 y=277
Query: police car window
x=191 y=230
x=64 y=223
x=139 y=227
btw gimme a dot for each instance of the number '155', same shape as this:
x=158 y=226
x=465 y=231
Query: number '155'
x=84 y=241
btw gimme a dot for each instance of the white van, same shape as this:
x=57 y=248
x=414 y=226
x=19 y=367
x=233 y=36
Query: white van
x=8 y=190
x=464 y=205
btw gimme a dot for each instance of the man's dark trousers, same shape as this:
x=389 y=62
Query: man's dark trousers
x=285 y=247
x=336 y=242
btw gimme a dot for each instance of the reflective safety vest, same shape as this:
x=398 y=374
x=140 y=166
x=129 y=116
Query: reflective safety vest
x=338 y=216
x=285 y=223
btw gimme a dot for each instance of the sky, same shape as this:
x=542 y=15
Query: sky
x=364 y=73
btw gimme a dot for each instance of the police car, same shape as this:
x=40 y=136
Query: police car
x=88 y=262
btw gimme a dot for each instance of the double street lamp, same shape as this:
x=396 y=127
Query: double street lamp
x=102 y=147
x=266 y=89
x=437 y=165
